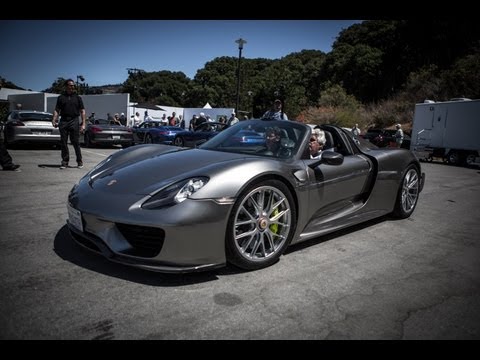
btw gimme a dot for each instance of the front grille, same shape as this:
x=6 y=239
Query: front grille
x=146 y=241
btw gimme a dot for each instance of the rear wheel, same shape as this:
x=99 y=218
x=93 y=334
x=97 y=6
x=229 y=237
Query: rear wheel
x=470 y=159
x=261 y=225
x=178 y=142
x=408 y=193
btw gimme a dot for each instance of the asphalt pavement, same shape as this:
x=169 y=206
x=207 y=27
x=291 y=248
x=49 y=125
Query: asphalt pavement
x=417 y=278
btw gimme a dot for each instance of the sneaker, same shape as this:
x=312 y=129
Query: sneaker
x=12 y=167
x=80 y=165
x=63 y=166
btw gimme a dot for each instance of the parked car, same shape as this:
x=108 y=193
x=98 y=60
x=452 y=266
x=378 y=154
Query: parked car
x=202 y=133
x=104 y=132
x=194 y=209
x=371 y=134
x=26 y=126
x=154 y=132
x=386 y=138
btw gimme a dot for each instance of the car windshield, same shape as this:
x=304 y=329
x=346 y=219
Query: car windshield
x=279 y=139
x=35 y=116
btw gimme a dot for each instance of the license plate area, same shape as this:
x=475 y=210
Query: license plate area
x=41 y=132
x=75 y=218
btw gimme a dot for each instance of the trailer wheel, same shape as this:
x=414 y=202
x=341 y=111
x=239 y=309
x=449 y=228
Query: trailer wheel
x=453 y=158
x=470 y=159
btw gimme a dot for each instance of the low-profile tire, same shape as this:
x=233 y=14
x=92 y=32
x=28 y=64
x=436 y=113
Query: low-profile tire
x=178 y=141
x=408 y=193
x=261 y=225
x=148 y=139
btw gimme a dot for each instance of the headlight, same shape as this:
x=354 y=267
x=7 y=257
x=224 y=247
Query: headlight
x=176 y=193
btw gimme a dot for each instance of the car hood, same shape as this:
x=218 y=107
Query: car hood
x=148 y=168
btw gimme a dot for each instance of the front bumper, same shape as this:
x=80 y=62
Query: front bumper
x=187 y=237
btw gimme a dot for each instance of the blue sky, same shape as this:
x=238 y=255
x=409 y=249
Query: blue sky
x=37 y=52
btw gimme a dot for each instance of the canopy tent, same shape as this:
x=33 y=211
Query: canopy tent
x=207 y=106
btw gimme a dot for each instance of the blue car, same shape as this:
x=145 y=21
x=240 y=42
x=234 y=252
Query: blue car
x=248 y=137
x=154 y=132
x=202 y=133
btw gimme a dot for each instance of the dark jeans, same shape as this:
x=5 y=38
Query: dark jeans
x=70 y=128
x=5 y=158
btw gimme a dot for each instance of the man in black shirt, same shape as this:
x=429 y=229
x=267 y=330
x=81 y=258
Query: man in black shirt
x=69 y=107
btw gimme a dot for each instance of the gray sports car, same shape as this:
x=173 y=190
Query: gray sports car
x=172 y=209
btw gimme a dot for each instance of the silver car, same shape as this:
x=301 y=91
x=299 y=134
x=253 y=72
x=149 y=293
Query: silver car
x=27 y=126
x=173 y=209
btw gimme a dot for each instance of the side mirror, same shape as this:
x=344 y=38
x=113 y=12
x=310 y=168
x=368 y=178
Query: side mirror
x=332 y=158
x=329 y=158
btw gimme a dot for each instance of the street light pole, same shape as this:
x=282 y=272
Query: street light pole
x=240 y=43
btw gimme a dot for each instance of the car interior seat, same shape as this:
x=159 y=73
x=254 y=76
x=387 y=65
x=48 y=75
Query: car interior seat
x=329 y=144
x=286 y=144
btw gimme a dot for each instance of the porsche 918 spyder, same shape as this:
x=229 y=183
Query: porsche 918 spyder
x=176 y=209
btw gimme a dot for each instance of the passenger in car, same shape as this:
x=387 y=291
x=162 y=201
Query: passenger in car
x=277 y=142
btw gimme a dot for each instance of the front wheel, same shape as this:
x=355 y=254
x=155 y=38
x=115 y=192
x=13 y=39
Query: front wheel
x=261 y=225
x=87 y=141
x=408 y=193
x=453 y=158
x=148 y=139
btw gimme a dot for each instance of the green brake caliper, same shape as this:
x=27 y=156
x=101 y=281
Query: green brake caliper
x=274 y=227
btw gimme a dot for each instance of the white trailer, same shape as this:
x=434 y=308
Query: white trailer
x=449 y=130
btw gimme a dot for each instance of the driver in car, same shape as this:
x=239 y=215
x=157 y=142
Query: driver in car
x=317 y=141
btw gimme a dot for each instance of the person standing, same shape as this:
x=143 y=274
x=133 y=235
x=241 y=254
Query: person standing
x=69 y=107
x=398 y=135
x=147 y=117
x=233 y=119
x=276 y=113
x=173 y=119
x=182 y=121
x=92 y=117
x=123 y=119
x=6 y=159
x=136 y=118
x=356 y=131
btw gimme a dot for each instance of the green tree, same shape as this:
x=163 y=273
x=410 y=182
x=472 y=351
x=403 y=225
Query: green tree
x=463 y=79
x=357 y=68
x=58 y=86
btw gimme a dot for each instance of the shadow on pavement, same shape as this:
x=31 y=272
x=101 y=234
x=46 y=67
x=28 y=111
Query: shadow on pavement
x=49 y=166
x=336 y=234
